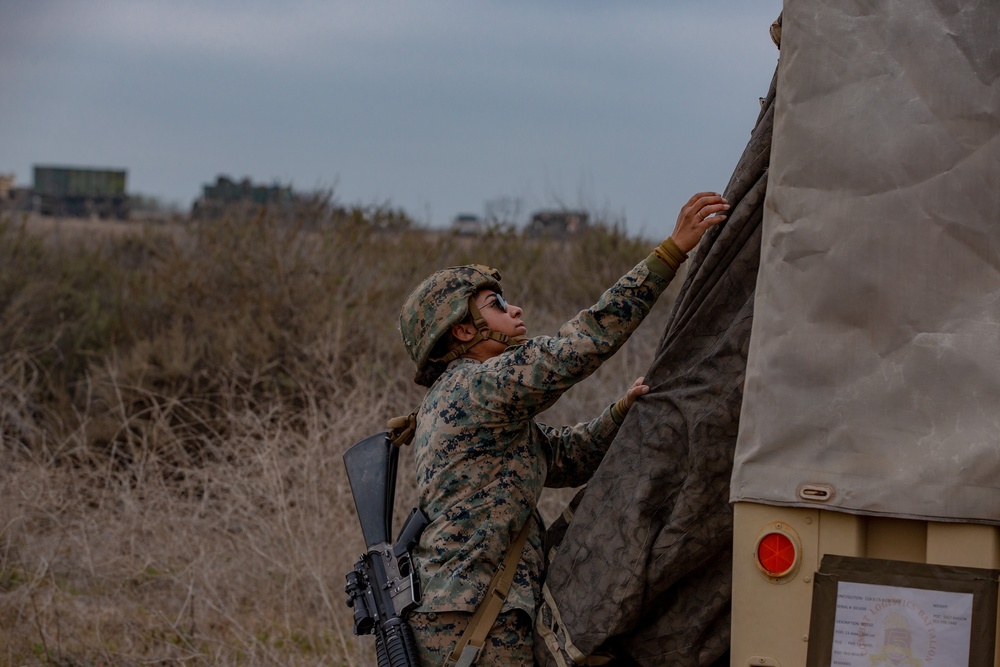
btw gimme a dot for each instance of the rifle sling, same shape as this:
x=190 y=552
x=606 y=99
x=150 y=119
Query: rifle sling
x=472 y=640
x=402 y=429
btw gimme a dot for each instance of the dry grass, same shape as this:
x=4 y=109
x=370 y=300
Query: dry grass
x=174 y=404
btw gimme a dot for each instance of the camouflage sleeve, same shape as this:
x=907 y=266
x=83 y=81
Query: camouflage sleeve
x=526 y=380
x=574 y=452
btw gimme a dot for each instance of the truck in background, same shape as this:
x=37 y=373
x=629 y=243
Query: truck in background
x=80 y=192
x=557 y=223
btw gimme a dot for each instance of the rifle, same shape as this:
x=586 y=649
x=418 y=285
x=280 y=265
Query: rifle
x=383 y=586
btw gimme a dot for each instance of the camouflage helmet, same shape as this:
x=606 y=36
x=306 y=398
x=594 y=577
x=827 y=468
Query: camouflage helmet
x=440 y=302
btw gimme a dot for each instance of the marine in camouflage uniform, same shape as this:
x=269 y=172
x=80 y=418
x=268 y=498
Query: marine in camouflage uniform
x=482 y=459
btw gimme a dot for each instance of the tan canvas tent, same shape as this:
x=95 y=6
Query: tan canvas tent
x=874 y=366
x=835 y=406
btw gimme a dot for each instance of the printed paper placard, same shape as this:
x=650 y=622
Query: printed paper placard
x=871 y=613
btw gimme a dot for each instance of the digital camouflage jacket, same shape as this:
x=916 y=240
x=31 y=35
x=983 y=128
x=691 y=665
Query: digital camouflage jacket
x=482 y=459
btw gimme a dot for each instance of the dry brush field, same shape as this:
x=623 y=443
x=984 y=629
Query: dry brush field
x=174 y=404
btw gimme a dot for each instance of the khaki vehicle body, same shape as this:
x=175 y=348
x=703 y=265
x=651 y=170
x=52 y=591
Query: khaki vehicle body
x=871 y=416
x=771 y=615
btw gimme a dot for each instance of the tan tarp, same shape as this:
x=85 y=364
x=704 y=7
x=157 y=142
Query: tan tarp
x=874 y=366
x=864 y=360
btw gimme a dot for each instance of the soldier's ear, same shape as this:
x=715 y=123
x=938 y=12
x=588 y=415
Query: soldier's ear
x=463 y=332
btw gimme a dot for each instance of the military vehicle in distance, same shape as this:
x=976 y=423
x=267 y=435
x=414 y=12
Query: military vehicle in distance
x=80 y=192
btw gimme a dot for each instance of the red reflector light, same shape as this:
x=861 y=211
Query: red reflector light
x=776 y=554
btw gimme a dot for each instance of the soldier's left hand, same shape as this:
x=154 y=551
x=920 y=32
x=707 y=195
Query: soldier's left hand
x=638 y=388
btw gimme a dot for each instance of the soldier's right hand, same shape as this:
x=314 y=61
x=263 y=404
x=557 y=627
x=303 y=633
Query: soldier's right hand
x=699 y=213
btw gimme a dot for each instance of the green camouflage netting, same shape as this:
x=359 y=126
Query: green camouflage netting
x=642 y=573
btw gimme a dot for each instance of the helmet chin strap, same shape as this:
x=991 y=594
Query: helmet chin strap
x=483 y=332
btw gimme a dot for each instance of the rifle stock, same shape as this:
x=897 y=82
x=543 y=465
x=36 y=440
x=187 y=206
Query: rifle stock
x=383 y=586
x=371 y=470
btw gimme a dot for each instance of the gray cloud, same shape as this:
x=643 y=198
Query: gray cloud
x=433 y=107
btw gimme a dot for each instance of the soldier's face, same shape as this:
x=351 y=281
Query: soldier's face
x=500 y=315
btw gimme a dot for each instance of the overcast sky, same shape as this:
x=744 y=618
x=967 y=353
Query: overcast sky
x=435 y=107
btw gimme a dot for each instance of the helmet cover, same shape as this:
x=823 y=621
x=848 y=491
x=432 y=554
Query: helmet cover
x=440 y=302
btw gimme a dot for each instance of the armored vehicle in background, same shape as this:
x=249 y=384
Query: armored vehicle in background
x=229 y=196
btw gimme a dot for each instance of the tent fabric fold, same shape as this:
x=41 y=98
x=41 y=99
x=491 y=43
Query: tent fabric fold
x=642 y=573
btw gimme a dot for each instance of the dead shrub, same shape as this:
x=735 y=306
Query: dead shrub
x=174 y=404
